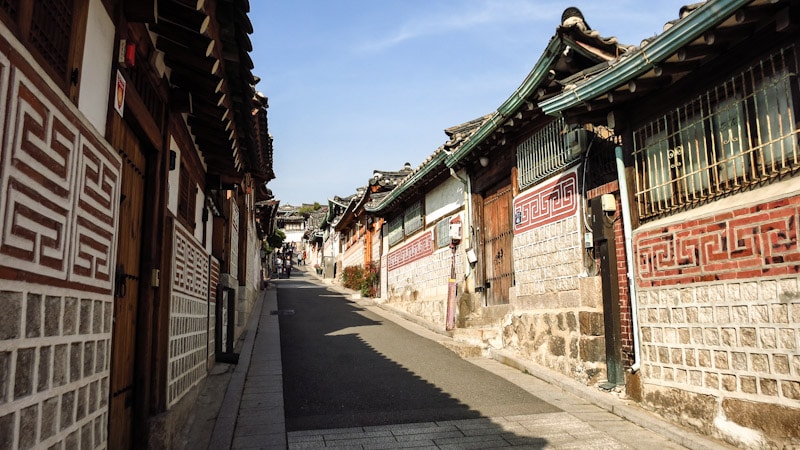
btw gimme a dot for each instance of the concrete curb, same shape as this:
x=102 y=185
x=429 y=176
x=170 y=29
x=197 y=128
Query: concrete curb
x=225 y=425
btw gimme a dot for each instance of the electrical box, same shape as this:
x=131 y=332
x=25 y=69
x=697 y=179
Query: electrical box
x=608 y=203
x=576 y=142
x=455 y=231
x=588 y=240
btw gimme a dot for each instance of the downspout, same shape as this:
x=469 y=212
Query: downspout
x=627 y=230
x=467 y=225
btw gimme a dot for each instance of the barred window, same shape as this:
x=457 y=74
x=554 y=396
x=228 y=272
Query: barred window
x=413 y=218
x=544 y=154
x=738 y=134
x=395 y=230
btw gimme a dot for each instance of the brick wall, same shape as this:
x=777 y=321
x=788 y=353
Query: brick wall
x=418 y=284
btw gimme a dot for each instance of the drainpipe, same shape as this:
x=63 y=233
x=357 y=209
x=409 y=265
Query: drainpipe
x=626 y=226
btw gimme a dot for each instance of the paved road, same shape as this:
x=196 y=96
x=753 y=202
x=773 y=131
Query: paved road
x=354 y=378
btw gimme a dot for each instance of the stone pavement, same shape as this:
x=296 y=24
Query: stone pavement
x=251 y=413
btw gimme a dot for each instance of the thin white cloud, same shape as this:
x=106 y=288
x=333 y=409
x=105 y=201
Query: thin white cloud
x=478 y=13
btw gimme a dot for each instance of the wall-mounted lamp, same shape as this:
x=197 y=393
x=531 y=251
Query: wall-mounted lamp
x=173 y=156
x=484 y=161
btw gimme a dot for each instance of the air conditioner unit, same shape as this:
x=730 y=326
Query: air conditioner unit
x=575 y=141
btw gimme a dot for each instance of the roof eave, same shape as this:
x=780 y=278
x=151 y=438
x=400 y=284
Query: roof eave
x=642 y=60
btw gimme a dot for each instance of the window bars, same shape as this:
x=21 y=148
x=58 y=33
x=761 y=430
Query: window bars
x=544 y=154
x=737 y=134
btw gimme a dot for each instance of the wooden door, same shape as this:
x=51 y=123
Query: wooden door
x=126 y=286
x=498 y=234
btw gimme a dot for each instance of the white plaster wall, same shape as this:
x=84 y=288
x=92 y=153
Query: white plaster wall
x=174 y=179
x=443 y=199
x=98 y=56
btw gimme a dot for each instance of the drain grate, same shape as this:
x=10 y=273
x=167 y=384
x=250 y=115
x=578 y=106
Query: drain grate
x=282 y=312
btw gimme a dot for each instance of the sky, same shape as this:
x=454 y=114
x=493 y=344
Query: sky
x=361 y=85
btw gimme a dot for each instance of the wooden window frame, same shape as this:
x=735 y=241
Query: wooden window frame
x=21 y=25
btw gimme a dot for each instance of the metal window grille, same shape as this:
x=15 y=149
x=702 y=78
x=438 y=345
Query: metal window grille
x=738 y=134
x=412 y=220
x=543 y=154
x=395 y=230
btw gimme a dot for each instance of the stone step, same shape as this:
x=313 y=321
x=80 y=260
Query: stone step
x=476 y=336
x=463 y=349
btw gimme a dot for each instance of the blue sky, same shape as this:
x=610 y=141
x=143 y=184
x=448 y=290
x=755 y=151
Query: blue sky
x=359 y=85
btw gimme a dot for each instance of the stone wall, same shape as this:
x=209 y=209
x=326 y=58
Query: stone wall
x=556 y=317
x=557 y=314
x=719 y=312
x=419 y=286
x=55 y=349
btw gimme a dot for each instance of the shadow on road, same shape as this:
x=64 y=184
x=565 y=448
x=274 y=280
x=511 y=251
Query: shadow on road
x=345 y=367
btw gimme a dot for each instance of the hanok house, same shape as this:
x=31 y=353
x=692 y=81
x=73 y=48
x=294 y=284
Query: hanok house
x=707 y=113
x=130 y=149
x=359 y=231
x=417 y=261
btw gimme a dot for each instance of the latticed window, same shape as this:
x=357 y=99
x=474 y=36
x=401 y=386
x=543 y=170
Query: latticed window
x=49 y=29
x=395 y=230
x=738 y=134
x=187 y=198
x=413 y=218
x=545 y=153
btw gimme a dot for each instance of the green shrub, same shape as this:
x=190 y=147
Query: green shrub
x=362 y=279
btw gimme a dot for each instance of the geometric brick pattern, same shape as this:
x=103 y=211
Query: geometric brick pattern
x=420 y=247
x=191 y=266
x=757 y=241
x=234 y=260
x=547 y=203
x=60 y=189
x=189 y=316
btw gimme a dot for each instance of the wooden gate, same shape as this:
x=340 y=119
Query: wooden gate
x=498 y=234
x=126 y=285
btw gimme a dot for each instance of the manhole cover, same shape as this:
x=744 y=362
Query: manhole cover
x=282 y=312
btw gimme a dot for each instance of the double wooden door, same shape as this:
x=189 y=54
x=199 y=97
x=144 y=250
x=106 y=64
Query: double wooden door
x=126 y=285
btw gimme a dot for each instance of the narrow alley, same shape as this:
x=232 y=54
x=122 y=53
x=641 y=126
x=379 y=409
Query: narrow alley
x=358 y=376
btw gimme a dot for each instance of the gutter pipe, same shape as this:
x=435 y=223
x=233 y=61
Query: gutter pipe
x=627 y=229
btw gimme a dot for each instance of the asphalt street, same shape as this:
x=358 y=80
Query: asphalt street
x=344 y=366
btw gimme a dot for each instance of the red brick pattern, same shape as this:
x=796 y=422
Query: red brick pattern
x=758 y=241
x=60 y=188
x=414 y=250
x=553 y=201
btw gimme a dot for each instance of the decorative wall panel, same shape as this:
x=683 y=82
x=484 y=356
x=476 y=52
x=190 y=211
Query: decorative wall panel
x=60 y=189
x=414 y=250
x=759 y=241
x=547 y=203
x=189 y=316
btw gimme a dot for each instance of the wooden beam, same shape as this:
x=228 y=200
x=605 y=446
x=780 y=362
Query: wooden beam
x=648 y=84
x=179 y=14
x=143 y=11
x=199 y=44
